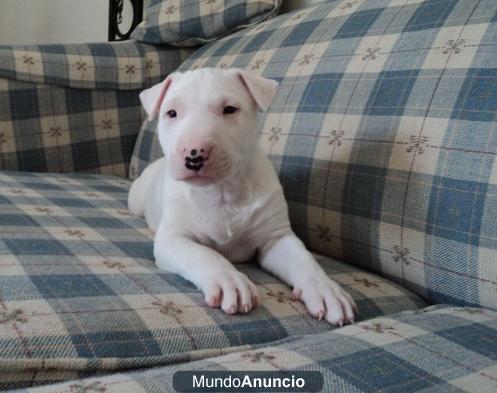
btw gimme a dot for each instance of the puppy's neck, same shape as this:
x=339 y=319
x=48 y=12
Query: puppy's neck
x=234 y=191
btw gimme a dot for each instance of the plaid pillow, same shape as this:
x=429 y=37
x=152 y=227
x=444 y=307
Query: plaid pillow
x=384 y=135
x=75 y=108
x=123 y=65
x=192 y=22
x=435 y=350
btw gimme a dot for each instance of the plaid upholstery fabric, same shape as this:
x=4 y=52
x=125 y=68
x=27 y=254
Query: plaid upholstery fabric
x=435 y=350
x=118 y=65
x=80 y=294
x=58 y=124
x=57 y=129
x=190 y=23
x=383 y=134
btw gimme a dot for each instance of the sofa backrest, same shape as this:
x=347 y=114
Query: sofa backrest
x=384 y=135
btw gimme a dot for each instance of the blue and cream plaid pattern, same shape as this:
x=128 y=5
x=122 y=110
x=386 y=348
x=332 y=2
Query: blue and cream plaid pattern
x=80 y=293
x=118 y=65
x=194 y=22
x=67 y=108
x=435 y=350
x=384 y=135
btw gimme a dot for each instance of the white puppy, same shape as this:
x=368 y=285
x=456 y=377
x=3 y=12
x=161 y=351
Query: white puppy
x=215 y=198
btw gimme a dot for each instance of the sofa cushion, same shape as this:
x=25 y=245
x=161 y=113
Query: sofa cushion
x=80 y=294
x=197 y=22
x=383 y=134
x=434 y=350
x=108 y=65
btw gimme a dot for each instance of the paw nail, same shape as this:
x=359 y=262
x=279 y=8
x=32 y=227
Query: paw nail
x=232 y=310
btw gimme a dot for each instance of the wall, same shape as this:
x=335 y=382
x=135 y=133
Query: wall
x=69 y=21
x=52 y=21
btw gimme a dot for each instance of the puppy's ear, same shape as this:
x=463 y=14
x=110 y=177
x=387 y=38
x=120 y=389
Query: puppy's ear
x=152 y=98
x=262 y=90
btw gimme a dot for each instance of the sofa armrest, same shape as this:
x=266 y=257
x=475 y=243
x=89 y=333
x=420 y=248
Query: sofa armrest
x=75 y=108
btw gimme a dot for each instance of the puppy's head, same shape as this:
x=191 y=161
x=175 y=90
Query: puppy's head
x=207 y=121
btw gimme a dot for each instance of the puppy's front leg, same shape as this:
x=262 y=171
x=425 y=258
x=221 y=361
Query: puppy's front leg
x=223 y=286
x=287 y=258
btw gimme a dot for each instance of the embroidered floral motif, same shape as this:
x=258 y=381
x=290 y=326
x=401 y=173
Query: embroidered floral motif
x=81 y=66
x=324 y=233
x=366 y=282
x=257 y=64
x=274 y=134
x=299 y=16
x=168 y=308
x=83 y=387
x=371 y=54
x=306 y=59
x=13 y=316
x=28 y=60
x=258 y=357
x=454 y=46
x=149 y=64
x=107 y=124
x=76 y=233
x=400 y=255
x=171 y=10
x=279 y=296
x=417 y=144
x=336 y=137
x=43 y=210
x=348 y=4
x=376 y=327
x=114 y=265
x=55 y=131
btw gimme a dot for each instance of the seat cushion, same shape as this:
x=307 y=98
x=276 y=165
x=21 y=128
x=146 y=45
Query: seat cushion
x=383 y=135
x=79 y=291
x=435 y=350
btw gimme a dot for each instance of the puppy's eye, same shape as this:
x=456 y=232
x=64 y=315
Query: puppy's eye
x=228 y=110
x=172 y=113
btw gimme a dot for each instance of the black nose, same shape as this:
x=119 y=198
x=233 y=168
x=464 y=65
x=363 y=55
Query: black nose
x=194 y=162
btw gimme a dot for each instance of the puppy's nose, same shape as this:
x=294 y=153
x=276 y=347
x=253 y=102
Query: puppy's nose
x=195 y=157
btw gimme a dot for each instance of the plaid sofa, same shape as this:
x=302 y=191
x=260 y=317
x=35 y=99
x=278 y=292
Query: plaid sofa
x=80 y=296
x=439 y=349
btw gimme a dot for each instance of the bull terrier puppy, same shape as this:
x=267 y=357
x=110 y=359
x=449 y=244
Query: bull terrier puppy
x=214 y=199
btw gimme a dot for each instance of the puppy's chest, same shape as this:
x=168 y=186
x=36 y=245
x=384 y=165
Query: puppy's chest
x=229 y=232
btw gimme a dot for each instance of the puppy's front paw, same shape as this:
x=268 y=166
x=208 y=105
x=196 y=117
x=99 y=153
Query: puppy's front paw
x=323 y=297
x=232 y=291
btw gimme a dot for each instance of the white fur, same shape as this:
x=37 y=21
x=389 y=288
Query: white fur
x=234 y=206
